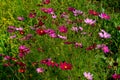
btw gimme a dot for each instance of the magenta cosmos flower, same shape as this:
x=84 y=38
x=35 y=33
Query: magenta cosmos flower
x=63 y=29
x=105 y=49
x=104 y=34
x=89 y=21
x=23 y=50
x=116 y=76
x=88 y=75
x=65 y=66
x=104 y=16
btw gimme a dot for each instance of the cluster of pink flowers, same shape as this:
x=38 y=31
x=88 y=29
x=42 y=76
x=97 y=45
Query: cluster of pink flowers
x=23 y=50
x=76 y=29
x=103 y=47
x=62 y=65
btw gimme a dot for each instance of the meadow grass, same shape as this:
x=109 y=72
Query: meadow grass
x=94 y=61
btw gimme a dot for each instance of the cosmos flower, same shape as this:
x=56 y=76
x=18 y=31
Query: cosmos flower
x=78 y=45
x=20 y=18
x=104 y=16
x=77 y=12
x=7 y=57
x=40 y=31
x=62 y=37
x=11 y=29
x=76 y=29
x=88 y=75
x=63 y=29
x=23 y=50
x=89 y=21
x=49 y=62
x=40 y=70
x=19 y=29
x=14 y=36
x=71 y=9
x=32 y=15
x=47 y=10
x=105 y=49
x=46 y=1
x=65 y=66
x=116 y=76
x=92 y=12
x=104 y=34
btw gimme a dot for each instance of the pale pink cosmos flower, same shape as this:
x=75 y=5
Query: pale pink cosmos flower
x=77 y=12
x=40 y=70
x=104 y=34
x=76 y=29
x=53 y=35
x=89 y=21
x=14 y=36
x=88 y=75
x=20 y=18
x=62 y=37
x=54 y=16
x=19 y=29
x=104 y=16
x=78 y=45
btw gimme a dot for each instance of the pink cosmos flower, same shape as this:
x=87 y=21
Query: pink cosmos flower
x=105 y=49
x=20 y=18
x=104 y=34
x=19 y=29
x=64 y=15
x=48 y=10
x=7 y=57
x=11 y=29
x=40 y=70
x=89 y=21
x=77 y=12
x=54 y=16
x=62 y=37
x=23 y=50
x=76 y=29
x=88 y=75
x=51 y=33
x=116 y=76
x=14 y=36
x=104 y=16
x=63 y=29
x=78 y=45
